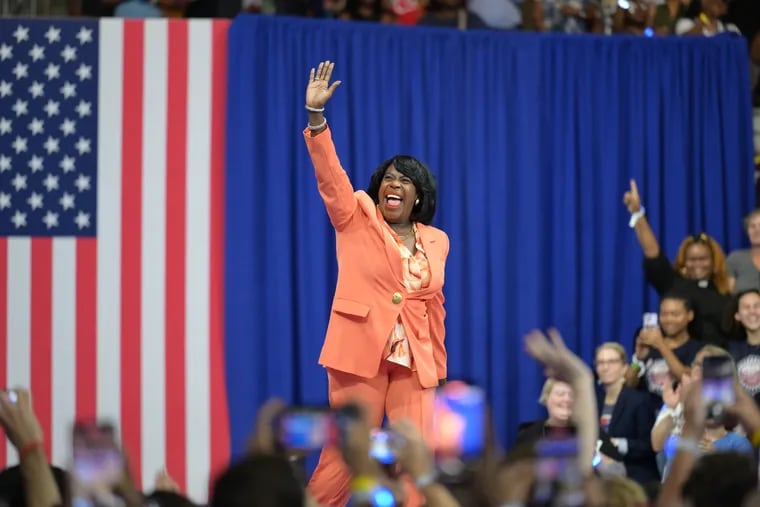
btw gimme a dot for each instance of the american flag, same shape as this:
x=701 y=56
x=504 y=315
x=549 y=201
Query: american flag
x=111 y=235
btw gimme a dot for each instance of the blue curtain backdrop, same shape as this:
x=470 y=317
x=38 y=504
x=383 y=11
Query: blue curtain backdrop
x=533 y=139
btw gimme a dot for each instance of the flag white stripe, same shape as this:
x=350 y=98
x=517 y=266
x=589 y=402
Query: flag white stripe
x=109 y=220
x=64 y=347
x=197 y=382
x=19 y=319
x=153 y=296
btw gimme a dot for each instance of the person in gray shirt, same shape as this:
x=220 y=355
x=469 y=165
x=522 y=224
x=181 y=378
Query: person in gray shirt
x=743 y=265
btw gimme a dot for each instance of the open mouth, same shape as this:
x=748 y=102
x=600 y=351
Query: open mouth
x=393 y=201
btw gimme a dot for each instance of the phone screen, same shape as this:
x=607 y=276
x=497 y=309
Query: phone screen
x=307 y=429
x=718 y=385
x=382 y=446
x=98 y=463
x=459 y=426
x=649 y=320
x=556 y=472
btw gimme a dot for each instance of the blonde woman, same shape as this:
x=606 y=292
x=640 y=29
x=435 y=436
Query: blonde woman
x=557 y=397
x=625 y=418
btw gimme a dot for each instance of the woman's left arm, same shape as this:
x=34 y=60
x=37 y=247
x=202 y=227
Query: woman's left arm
x=436 y=314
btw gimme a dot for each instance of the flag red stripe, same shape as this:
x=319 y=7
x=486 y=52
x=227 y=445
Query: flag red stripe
x=86 y=342
x=41 y=344
x=131 y=244
x=176 y=158
x=3 y=330
x=220 y=442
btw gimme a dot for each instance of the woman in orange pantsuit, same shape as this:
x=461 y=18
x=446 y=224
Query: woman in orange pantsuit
x=384 y=342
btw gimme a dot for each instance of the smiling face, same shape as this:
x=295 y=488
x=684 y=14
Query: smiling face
x=559 y=402
x=675 y=316
x=396 y=196
x=698 y=262
x=748 y=312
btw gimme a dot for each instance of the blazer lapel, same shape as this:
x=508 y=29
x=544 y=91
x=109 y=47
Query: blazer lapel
x=619 y=407
x=433 y=253
x=391 y=248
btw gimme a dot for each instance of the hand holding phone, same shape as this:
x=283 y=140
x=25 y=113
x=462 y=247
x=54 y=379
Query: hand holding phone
x=649 y=320
x=98 y=464
x=306 y=429
x=718 y=385
x=383 y=444
x=459 y=428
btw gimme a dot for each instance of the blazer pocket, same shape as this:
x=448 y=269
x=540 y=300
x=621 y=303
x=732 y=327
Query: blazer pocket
x=351 y=308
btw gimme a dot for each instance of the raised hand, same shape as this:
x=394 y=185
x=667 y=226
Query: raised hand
x=631 y=198
x=319 y=89
x=558 y=361
x=18 y=419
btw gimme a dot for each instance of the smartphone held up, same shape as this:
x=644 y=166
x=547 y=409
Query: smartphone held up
x=459 y=428
x=718 y=391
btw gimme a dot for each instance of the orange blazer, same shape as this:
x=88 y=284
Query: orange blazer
x=370 y=294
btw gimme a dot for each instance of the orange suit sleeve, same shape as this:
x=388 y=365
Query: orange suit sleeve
x=436 y=321
x=332 y=181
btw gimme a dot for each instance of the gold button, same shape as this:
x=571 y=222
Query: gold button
x=397 y=298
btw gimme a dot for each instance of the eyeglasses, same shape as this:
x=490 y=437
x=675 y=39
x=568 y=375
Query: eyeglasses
x=608 y=362
x=700 y=238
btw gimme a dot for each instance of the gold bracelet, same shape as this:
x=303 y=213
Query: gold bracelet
x=363 y=483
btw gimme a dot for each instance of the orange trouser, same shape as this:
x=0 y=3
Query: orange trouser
x=395 y=391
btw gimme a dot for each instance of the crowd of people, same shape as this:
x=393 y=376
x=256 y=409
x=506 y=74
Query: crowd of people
x=650 y=18
x=636 y=425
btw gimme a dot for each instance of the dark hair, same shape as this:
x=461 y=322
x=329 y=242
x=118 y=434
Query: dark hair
x=424 y=183
x=694 y=328
x=752 y=214
x=258 y=481
x=679 y=296
x=13 y=488
x=720 y=479
x=168 y=499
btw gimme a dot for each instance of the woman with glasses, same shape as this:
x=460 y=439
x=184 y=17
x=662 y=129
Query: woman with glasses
x=699 y=271
x=625 y=418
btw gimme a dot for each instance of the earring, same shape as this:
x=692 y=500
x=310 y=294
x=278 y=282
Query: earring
x=416 y=202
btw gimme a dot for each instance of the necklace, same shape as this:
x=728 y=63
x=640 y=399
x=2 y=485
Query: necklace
x=404 y=236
